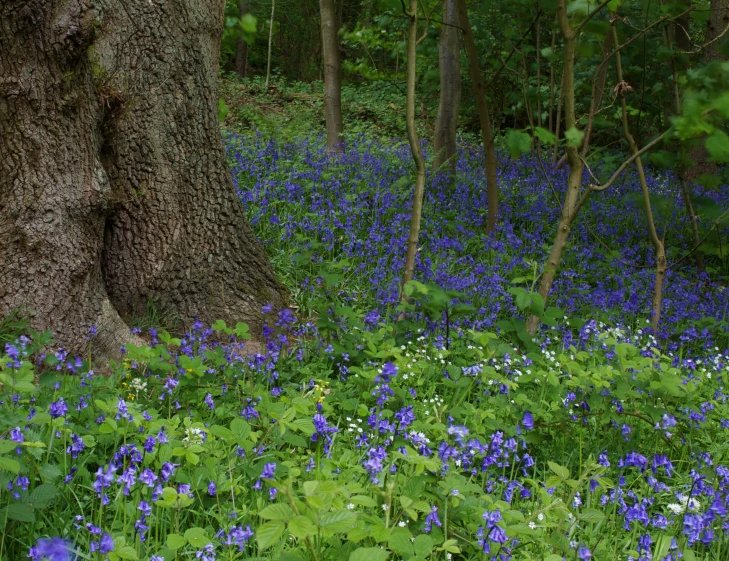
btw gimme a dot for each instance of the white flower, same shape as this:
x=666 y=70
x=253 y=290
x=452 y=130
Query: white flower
x=540 y=516
x=350 y=506
x=533 y=525
x=401 y=524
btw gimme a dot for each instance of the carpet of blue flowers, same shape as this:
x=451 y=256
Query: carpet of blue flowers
x=349 y=436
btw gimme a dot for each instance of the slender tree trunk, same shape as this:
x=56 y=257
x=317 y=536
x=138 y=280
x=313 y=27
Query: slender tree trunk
x=657 y=242
x=411 y=65
x=598 y=86
x=574 y=180
x=487 y=133
x=241 y=47
x=332 y=76
x=681 y=169
x=446 y=123
x=551 y=81
x=114 y=187
x=558 y=119
x=270 y=42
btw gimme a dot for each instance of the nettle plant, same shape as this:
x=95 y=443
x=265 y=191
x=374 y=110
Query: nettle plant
x=194 y=449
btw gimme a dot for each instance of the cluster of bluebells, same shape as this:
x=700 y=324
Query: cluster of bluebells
x=354 y=226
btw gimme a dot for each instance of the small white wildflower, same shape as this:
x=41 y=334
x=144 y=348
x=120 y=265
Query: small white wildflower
x=350 y=506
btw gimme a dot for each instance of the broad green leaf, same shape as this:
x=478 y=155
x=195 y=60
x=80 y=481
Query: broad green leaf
x=301 y=527
x=544 y=135
x=574 y=137
x=278 y=511
x=126 y=552
x=423 y=545
x=369 y=554
x=42 y=496
x=337 y=521
x=8 y=464
x=7 y=445
x=269 y=533
x=176 y=541
x=400 y=542
x=718 y=146
x=591 y=515
x=561 y=471
x=196 y=537
x=19 y=512
x=518 y=142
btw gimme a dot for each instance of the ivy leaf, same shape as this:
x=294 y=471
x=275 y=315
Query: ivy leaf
x=518 y=142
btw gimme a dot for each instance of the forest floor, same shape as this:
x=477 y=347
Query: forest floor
x=451 y=435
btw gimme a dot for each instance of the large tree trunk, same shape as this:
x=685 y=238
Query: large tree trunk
x=444 y=143
x=716 y=30
x=114 y=188
x=241 y=47
x=332 y=75
x=487 y=133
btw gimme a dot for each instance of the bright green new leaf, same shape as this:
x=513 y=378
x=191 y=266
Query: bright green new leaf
x=574 y=137
x=518 y=142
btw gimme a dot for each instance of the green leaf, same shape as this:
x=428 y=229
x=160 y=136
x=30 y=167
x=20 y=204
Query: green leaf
x=718 y=146
x=7 y=445
x=561 y=471
x=196 y=537
x=223 y=110
x=175 y=541
x=278 y=511
x=19 y=512
x=42 y=496
x=337 y=521
x=400 y=543
x=591 y=515
x=369 y=554
x=301 y=527
x=126 y=552
x=8 y=464
x=269 y=533
x=240 y=428
x=544 y=135
x=574 y=137
x=423 y=545
x=518 y=142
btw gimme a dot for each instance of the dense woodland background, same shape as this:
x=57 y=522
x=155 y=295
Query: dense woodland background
x=407 y=280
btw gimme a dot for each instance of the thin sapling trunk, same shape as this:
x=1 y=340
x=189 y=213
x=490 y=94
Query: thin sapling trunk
x=412 y=246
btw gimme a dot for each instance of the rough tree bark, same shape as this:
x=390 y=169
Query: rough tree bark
x=444 y=142
x=716 y=27
x=241 y=47
x=487 y=133
x=332 y=75
x=113 y=183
